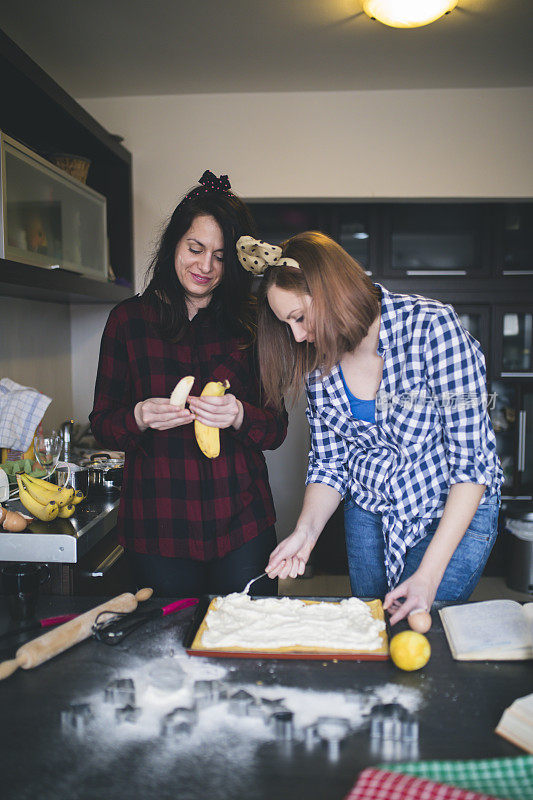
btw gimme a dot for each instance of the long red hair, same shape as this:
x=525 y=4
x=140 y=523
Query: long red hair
x=345 y=303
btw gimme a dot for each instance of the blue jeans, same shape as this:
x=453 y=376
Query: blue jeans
x=366 y=553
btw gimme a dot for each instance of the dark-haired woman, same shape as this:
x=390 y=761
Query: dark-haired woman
x=191 y=525
x=399 y=424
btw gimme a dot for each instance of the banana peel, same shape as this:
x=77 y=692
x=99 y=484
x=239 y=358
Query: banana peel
x=208 y=438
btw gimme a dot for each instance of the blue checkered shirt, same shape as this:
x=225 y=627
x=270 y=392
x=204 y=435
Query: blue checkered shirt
x=432 y=426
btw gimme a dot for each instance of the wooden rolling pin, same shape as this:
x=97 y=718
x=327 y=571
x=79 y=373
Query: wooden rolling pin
x=52 y=643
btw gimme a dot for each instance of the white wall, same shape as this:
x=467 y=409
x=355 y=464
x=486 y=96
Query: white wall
x=390 y=144
x=87 y=324
x=35 y=351
x=323 y=145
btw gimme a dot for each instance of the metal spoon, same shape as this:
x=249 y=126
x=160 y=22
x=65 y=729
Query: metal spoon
x=245 y=590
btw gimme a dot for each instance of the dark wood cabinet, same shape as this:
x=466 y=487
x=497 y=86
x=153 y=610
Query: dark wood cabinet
x=355 y=226
x=436 y=239
x=476 y=320
x=512 y=420
x=513 y=345
x=514 y=241
x=41 y=115
x=450 y=251
x=103 y=571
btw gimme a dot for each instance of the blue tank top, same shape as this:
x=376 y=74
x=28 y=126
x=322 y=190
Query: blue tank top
x=361 y=409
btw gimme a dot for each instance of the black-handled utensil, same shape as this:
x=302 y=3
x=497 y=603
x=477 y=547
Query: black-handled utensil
x=113 y=631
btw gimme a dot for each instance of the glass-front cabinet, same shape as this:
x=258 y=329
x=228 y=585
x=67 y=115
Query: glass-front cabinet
x=514 y=341
x=438 y=239
x=515 y=245
x=476 y=320
x=48 y=218
x=355 y=229
x=512 y=420
x=277 y=222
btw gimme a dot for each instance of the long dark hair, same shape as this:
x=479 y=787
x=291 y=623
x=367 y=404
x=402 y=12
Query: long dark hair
x=345 y=303
x=232 y=299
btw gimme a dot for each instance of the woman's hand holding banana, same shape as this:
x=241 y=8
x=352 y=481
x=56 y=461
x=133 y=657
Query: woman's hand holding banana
x=218 y=412
x=160 y=414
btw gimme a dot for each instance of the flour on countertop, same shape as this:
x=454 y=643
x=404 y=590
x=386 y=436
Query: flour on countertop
x=155 y=698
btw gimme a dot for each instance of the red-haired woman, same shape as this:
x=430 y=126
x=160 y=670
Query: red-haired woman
x=396 y=403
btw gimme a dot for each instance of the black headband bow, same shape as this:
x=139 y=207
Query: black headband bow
x=209 y=183
x=214 y=184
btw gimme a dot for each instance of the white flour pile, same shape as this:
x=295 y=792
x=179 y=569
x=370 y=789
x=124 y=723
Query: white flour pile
x=239 y=621
x=156 y=697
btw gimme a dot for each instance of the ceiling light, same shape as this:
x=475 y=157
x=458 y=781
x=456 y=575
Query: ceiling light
x=407 y=13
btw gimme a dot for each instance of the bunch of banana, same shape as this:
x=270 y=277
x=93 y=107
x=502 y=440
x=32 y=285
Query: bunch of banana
x=208 y=438
x=46 y=501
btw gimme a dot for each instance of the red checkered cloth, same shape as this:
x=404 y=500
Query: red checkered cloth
x=377 y=784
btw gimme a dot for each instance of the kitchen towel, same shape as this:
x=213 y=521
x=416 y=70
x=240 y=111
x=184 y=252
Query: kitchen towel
x=21 y=410
x=511 y=778
x=378 y=784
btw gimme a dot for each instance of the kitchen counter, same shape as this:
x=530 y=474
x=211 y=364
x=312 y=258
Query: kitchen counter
x=62 y=540
x=219 y=754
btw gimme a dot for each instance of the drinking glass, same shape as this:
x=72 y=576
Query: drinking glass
x=47 y=449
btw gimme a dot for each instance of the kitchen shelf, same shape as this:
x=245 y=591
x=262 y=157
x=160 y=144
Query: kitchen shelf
x=36 y=111
x=56 y=285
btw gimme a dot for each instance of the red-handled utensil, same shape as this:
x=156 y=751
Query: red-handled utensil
x=37 y=625
x=115 y=630
x=49 y=622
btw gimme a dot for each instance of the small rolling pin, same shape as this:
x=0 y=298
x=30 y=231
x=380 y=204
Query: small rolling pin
x=76 y=630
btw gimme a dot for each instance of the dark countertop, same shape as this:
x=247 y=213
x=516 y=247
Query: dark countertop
x=62 y=540
x=226 y=757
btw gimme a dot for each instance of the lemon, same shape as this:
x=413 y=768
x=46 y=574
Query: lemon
x=410 y=650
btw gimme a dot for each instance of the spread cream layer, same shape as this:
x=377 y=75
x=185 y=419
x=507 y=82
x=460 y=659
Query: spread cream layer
x=270 y=623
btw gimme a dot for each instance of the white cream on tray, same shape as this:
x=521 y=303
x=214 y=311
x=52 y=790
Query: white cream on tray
x=270 y=623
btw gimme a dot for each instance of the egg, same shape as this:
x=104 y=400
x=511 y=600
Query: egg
x=419 y=620
x=14 y=522
x=3 y=513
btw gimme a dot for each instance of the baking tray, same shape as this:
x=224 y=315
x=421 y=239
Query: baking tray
x=203 y=607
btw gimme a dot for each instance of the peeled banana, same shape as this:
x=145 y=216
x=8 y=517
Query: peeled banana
x=208 y=438
x=181 y=392
x=45 y=512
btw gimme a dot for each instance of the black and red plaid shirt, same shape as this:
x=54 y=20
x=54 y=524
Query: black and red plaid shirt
x=175 y=501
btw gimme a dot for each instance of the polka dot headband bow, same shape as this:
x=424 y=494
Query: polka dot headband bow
x=256 y=255
x=209 y=183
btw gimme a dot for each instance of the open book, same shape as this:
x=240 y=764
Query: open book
x=493 y=630
x=516 y=723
